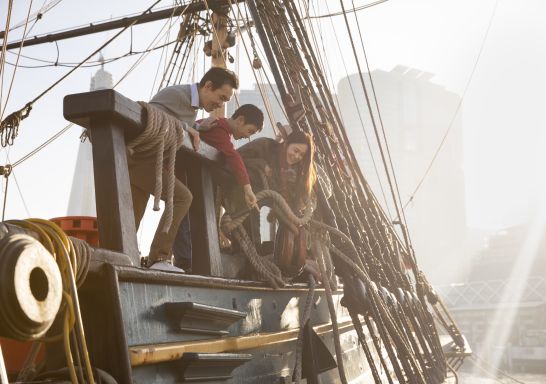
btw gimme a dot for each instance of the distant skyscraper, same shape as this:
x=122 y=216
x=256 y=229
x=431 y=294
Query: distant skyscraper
x=82 y=193
x=415 y=113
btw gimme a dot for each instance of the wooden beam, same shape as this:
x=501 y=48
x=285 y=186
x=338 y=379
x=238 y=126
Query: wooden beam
x=189 y=7
x=80 y=108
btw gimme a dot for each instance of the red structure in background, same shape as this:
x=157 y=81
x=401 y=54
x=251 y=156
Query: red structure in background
x=81 y=227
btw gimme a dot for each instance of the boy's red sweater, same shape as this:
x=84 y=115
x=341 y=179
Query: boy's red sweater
x=219 y=137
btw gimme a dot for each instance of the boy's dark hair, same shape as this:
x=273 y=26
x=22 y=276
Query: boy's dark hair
x=252 y=115
x=220 y=76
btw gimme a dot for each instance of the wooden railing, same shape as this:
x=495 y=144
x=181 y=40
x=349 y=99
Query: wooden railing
x=114 y=120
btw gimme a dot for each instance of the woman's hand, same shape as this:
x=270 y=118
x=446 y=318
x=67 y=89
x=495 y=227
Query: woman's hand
x=196 y=140
x=250 y=197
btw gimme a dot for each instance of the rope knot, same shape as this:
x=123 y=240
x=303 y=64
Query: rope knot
x=5 y=170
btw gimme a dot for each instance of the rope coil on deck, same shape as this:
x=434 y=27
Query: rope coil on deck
x=72 y=257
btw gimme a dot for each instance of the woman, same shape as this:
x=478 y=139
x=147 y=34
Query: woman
x=287 y=168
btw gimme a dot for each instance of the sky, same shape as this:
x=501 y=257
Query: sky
x=502 y=78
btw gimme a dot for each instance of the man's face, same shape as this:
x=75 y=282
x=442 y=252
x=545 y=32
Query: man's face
x=242 y=130
x=211 y=99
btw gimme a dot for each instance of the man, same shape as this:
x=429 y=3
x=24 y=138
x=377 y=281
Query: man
x=181 y=101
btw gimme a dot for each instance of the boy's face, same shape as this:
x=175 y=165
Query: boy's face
x=242 y=130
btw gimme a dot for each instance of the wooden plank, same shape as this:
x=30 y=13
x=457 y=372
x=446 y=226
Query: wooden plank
x=80 y=108
x=160 y=353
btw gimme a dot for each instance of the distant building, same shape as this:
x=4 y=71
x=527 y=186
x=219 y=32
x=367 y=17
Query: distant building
x=82 y=194
x=415 y=113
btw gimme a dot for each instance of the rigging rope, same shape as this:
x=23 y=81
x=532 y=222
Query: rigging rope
x=36 y=16
x=3 y=108
x=456 y=113
x=341 y=13
x=4 y=46
x=383 y=158
x=67 y=127
x=353 y=94
x=10 y=125
x=258 y=82
x=96 y=63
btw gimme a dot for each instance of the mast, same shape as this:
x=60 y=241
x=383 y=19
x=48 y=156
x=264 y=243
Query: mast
x=219 y=22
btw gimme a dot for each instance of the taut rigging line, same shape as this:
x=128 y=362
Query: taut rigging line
x=35 y=16
x=3 y=108
x=444 y=137
x=9 y=127
x=404 y=229
x=353 y=10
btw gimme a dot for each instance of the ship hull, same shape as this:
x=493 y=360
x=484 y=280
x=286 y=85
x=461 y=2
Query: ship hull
x=148 y=326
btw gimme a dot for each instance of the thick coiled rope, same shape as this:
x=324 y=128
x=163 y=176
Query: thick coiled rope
x=279 y=204
x=162 y=137
x=72 y=255
x=265 y=268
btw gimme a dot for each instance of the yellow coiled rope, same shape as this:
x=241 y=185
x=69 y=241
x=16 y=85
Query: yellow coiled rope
x=73 y=273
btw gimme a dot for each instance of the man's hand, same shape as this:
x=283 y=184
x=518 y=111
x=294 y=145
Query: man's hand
x=250 y=198
x=208 y=123
x=196 y=140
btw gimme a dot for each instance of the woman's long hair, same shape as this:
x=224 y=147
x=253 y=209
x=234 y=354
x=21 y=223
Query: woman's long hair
x=306 y=175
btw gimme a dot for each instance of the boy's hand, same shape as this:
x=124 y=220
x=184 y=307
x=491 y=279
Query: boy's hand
x=250 y=198
x=208 y=123
x=195 y=138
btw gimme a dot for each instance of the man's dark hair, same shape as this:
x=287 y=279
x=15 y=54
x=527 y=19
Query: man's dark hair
x=220 y=76
x=252 y=115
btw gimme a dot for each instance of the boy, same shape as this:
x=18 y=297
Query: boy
x=245 y=121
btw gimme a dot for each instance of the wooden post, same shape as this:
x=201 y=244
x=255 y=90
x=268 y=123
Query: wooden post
x=115 y=216
x=204 y=231
x=107 y=115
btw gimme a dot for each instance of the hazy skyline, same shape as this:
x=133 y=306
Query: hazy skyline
x=503 y=106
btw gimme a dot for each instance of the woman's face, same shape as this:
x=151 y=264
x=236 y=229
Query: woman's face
x=295 y=153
